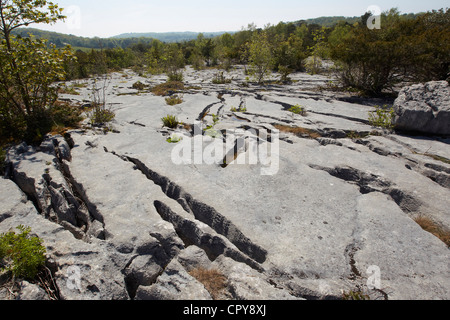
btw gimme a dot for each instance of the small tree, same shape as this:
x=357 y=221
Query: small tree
x=260 y=56
x=28 y=67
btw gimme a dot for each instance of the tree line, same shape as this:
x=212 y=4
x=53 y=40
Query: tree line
x=407 y=48
x=372 y=61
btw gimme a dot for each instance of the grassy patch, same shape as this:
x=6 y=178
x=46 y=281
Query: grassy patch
x=430 y=226
x=174 y=100
x=299 y=131
x=213 y=280
x=168 y=88
x=170 y=121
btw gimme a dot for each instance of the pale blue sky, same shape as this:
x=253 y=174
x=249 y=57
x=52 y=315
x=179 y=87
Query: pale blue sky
x=105 y=18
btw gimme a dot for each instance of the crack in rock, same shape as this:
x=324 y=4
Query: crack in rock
x=192 y=234
x=368 y=183
x=59 y=199
x=201 y=211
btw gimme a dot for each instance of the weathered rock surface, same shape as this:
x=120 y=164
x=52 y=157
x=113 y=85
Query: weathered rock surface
x=328 y=209
x=424 y=108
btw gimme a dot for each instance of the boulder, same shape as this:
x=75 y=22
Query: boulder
x=424 y=108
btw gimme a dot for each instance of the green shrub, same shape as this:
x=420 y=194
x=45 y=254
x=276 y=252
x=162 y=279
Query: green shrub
x=170 y=121
x=382 y=117
x=219 y=78
x=297 y=109
x=22 y=254
x=139 y=86
x=100 y=115
x=175 y=76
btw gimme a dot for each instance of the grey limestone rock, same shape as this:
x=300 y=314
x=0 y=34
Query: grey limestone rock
x=424 y=108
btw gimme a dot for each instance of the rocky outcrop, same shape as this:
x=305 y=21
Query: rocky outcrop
x=120 y=219
x=424 y=108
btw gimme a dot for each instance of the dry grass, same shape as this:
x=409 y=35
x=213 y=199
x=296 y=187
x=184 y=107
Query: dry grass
x=430 y=226
x=213 y=280
x=299 y=131
x=174 y=100
x=168 y=88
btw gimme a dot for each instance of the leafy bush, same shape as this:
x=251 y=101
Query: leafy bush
x=170 y=121
x=175 y=76
x=139 y=86
x=28 y=69
x=382 y=117
x=100 y=115
x=22 y=254
x=375 y=61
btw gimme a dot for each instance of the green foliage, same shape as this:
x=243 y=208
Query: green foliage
x=28 y=68
x=297 y=109
x=355 y=295
x=318 y=51
x=170 y=121
x=219 y=78
x=21 y=253
x=374 y=61
x=139 y=86
x=174 y=138
x=382 y=117
x=100 y=114
x=260 y=56
x=174 y=100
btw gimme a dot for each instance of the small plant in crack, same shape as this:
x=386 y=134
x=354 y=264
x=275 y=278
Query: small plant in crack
x=297 y=109
x=170 y=121
x=382 y=117
x=174 y=100
x=210 y=131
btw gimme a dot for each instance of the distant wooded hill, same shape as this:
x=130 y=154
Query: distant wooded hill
x=170 y=36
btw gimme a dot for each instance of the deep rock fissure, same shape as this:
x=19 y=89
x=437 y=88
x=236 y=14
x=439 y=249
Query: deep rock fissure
x=201 y=211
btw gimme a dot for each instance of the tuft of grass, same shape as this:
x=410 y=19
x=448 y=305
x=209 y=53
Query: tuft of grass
x=354 y=295
x=430 y=226
x=170 y=121
x=213 y=280
x=174 y=100
x=299 y=131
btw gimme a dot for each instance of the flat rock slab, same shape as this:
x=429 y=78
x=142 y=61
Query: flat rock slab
x=319 y=216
